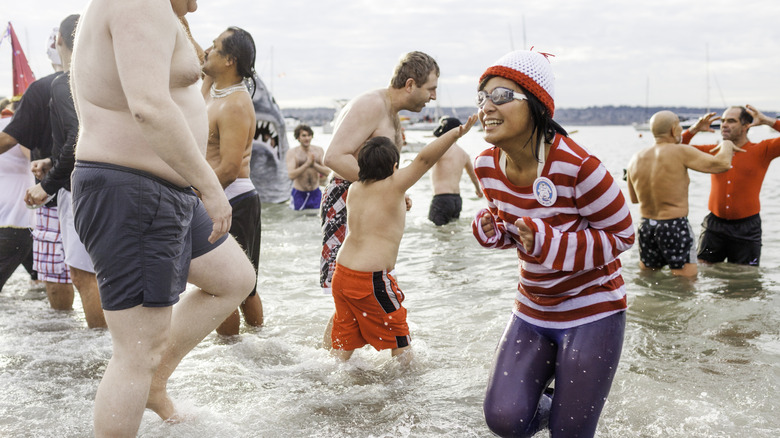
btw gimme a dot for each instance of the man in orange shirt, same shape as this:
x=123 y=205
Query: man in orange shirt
x=732 y=229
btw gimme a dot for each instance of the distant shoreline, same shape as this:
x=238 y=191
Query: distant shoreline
x=591 y=116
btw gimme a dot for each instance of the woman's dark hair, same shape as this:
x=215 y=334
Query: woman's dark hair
x=240 y=46
x=377 y=159
x=540 y=118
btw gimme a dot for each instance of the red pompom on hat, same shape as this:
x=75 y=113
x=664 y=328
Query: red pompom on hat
x=530 y=70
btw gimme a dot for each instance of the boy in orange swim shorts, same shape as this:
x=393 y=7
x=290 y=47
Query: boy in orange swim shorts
x=367 y=297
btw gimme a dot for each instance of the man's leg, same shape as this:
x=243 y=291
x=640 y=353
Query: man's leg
x=688 y=270
x=60 y=295
x=139 y=336
x=82 y=270
x=231 y=325
x=253 y=311
x=711 y=244
x=246 y=229
x=86 y=284
x=15 y=247
x=228 y=275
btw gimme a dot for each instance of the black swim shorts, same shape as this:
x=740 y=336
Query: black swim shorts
x=666 y=242
x=445 y=208
x=736 y=241
x=246 y=227
x=140 y=232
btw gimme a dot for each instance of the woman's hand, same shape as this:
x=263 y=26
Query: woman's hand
x=526 y=235
x=486 y=221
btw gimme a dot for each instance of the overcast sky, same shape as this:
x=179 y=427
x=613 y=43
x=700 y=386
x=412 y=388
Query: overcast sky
x=607 y=52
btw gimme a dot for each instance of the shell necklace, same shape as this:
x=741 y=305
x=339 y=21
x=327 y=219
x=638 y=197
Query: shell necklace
x=218 y=93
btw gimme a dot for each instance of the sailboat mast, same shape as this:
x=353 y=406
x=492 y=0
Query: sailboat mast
x=707 y=61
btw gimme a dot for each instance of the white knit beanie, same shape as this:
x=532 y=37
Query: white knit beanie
x=530 y=70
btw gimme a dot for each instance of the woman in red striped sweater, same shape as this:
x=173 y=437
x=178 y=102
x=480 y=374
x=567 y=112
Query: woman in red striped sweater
x=557 y=205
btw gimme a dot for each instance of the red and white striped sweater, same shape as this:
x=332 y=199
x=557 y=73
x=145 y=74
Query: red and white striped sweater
x=573 y=276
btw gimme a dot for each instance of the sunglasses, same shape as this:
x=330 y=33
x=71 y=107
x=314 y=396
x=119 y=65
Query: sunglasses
x=499 y=96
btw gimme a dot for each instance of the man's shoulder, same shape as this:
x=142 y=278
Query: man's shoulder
x=61 y=83
x=41 y=87
x=370 y=100
x=236 y=105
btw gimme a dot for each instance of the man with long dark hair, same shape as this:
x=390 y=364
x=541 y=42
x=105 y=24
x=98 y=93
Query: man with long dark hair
x=228 y=64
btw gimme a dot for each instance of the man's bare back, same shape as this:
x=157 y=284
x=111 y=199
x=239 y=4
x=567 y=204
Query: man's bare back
x=660 y=180
x=367 y=116
x=446 y=173
x=658 y=175
x=377 y=210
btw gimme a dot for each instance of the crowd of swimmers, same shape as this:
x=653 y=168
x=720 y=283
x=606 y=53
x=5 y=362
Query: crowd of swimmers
x=141 y=145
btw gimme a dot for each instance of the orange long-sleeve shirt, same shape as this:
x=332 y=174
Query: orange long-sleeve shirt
x=734 y=194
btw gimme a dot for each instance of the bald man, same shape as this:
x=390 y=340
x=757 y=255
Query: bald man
x=658 y=181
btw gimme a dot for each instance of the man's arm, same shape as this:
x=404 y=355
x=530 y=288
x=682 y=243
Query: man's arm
x=234 y=124
x=759 y=118
x=702 y=124
x=354 y=128
x=6 y=142
x=704 y=162
x=293 y=170
x=144 y=35
x=431 y=153
x=62 y=101
x=631 y=192
x=472 y=175
x=318 y=156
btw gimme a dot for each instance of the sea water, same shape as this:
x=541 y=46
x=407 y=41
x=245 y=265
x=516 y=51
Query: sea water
x=700 y=359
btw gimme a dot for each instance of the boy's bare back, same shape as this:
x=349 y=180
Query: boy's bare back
x=377 y=211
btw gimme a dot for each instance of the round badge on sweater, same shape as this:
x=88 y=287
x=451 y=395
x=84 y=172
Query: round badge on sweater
x=544 y=191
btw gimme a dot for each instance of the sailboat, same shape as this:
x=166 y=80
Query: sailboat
x=686 y=120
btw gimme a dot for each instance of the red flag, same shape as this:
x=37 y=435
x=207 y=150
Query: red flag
x=23 y=75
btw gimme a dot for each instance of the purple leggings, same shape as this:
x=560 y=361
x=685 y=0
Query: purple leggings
x=582 y=360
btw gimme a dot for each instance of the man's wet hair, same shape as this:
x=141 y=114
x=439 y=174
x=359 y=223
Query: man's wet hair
x=301 y=128
x=744 y=116
x=415 y=65
x=68 y=30
x=377 y=159
x=240 y=46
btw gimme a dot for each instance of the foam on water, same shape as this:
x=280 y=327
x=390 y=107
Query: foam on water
x=700 y=359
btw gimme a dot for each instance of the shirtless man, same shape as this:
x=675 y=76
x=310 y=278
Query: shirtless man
x=371 y=114
x=658 y=180
x=304 y=167
x=445 y=178
x=141 y=146
x=227 y=63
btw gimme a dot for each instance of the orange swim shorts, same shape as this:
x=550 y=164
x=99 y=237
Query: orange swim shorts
x=368 y=310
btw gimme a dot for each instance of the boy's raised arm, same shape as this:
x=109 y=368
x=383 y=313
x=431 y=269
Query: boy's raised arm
x=431 y=153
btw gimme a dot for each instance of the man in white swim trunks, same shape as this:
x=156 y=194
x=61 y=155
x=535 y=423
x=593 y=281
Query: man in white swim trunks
x=56 y=181
x=31 y=128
